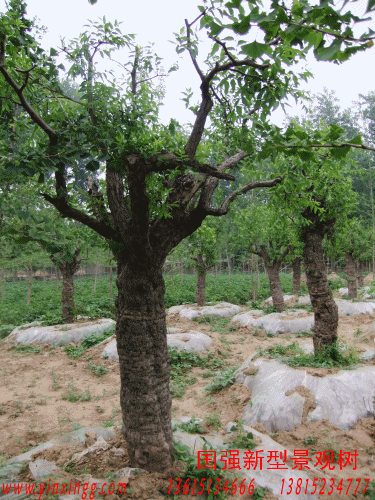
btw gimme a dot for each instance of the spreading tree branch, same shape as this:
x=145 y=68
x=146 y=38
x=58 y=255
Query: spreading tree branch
x=23 y=101
x=343 y=145
x=224 y=209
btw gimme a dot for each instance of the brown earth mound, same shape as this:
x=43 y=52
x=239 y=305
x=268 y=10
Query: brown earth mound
x=336 y=277
x=369 y=279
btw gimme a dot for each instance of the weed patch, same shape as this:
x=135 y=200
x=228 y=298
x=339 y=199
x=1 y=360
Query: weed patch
x=98 y=370
x=193 y=427
x=27 y=349
x=222 y=380
x=241 y=439
x=90 y=341
x=217 y=323
x=335 y=355
x=73 y=395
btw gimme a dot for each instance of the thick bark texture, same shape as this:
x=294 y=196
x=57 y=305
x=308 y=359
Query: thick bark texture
x=325 y=308
x=275 y=286
x=360 y=268
x=141 y=334
x=200 y=291
x=350 y=276
x=67 y=270
x=273 y=268
x=296 y=274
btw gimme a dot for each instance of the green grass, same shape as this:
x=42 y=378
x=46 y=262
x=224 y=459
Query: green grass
x=45 y=304
x=217 y=323
x=181 y=364
x=90 y=341
x=193 y=427
x=73 y=395
x=334 y=356
x=219 y=289
x=26 y=349
x=222 y=380
x=227 y=479
x=241 y=439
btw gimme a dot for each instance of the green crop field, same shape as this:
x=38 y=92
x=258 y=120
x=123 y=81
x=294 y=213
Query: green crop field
x=46 y=300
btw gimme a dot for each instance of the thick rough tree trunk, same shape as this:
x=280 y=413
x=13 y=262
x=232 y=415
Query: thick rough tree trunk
x=200 y=291
x=296 y=274
x=360 y=268
x=325 y=308
x=350 y=276
x=275 y=286
x=141 y=334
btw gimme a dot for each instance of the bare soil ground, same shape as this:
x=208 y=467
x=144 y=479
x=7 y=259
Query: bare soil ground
x=34 y=408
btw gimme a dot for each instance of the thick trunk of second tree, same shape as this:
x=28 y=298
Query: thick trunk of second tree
x=67 y=269
x=275 y=286
x=350 y=276
x=360 y=269
x=296 y=274
x=141 y=335
x=67 y=295
x=325 y=308
x=200 y=291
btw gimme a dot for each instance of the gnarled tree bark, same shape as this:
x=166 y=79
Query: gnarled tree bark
x=273 y=272
x=350 y=275
x=325 y=308
x=141 y=335
x=360 y=268
x=67 y=265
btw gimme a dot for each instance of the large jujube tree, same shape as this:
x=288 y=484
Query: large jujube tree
x=159 y=188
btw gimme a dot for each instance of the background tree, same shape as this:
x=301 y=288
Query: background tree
x=318 y=190
x=31 y=224
x=352 y=240
x=268 y=234
x=203 y=250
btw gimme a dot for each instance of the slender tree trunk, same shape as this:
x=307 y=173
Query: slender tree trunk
x=296 y=274
x=350 y=275
x=325 y=308
x=57 y=278
x=360 y=268
x=182 y=270
x=200 y=291
x=229 y=267
x=275 y=286
x=15 y=278
x=2 y=284
x=144 y=365
x=96 y=278
x=110 y=280
x=253 y=263
x=29 y=283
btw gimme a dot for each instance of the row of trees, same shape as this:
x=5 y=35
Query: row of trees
x=162 y=182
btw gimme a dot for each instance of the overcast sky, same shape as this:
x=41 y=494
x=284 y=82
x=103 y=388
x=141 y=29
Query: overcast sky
x=155 y=21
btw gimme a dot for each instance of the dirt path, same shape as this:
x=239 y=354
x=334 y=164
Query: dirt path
x=37 y=393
